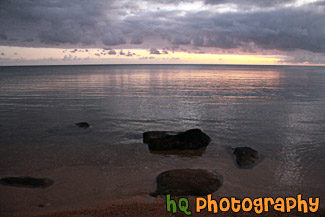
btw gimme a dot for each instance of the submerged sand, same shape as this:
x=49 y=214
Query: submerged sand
x=154 y=210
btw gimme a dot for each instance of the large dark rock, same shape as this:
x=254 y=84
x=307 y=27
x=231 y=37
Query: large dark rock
x=183 y=182
x=28 y=182
x=166 y=140
x=245 y=156
x=84 y=125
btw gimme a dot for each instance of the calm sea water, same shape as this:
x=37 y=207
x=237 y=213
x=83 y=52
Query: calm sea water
x=279 y=111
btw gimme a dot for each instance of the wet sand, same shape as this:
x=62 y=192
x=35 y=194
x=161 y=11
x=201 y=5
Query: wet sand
x=136 y=209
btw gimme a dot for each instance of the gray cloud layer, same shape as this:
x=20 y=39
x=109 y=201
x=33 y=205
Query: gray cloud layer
x=256 y=3
x=267 y=25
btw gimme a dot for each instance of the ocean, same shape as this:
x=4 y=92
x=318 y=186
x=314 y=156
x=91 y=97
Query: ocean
x=277 y=110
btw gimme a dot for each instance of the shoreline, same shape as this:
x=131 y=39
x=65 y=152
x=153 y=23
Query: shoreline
x=153 y=209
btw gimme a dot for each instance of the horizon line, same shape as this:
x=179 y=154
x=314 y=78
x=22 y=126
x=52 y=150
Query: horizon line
x=175 y=64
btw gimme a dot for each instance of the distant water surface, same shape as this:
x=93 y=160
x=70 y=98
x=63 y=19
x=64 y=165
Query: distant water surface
x=277 y=110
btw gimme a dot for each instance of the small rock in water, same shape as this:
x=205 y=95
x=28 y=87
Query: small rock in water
x=41 y=205
x=185 y=182
x=245 y=156
x=83 y=125
x=28 y=182
x=166 y=140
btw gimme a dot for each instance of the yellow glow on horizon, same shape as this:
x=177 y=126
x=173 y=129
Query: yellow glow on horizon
x=228 y=58
x=137 y=56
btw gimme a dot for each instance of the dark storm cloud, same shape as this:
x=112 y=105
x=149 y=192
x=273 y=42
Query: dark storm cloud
x=136 y=38
x=3 y=36
x=28 y=39
x=282 y=29
x=113 y=37
x=170 y=1
x=62 y=22
x=180 y=40
x=99 y=23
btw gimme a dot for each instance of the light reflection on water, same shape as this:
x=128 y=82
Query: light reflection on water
x=276 y=110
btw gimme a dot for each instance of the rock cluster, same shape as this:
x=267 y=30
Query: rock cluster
x=176 y=182
x=196 y=182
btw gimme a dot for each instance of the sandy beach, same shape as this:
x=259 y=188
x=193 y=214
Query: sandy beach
x=156 y=209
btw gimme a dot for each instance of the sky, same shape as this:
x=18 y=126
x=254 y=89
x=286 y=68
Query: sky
x=265 y=32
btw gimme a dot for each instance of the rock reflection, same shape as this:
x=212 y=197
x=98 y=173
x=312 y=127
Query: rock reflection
x=183 y=153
